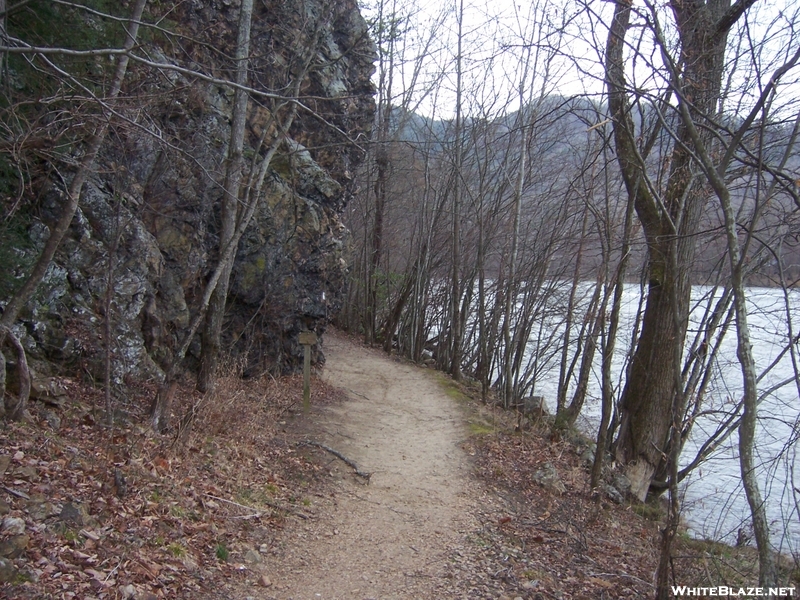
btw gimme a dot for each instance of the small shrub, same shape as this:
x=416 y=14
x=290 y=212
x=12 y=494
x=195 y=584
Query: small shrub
x=72 y=536
x=222 y=552
x=480 y=428
x=651 y=512
x=176 y=550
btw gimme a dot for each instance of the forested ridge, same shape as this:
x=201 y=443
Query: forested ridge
x=572 y=209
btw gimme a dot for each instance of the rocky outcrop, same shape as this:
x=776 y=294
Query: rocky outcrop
x=148 y=217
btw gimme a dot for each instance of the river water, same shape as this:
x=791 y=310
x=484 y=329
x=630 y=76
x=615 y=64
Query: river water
x=714 y=502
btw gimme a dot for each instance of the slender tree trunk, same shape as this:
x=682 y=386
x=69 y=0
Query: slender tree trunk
x=2 y=41
x=596 y=316
x=383 y=169
x=510 y=296
x=482 y=370
x=455 y=293
x=609 y=344
x=108 y=309
x=376 y=239
x=768 y=571
x=16 y=411
x=663 y=591
x=230 y=204
x=564 y=374
x=389 y=328
x=511 y=285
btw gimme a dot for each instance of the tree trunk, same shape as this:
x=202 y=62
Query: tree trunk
x=596 y=316
x=670 y=221
x=565 y=373
x=376 y=239
x=455 y=293
x=768 y=571
x=2 y=38
x=16 y=411
x=646 y=404
x=230 y=204
x=609 y=343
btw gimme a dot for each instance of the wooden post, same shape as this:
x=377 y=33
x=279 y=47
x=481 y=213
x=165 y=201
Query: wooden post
x=307 y=339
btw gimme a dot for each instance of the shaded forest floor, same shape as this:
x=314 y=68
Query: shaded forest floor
x=223 y=509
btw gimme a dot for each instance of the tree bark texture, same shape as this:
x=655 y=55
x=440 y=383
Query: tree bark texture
x=670 y=219
x=230 y=204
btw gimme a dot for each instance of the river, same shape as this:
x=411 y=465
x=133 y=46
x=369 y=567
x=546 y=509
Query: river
x=714 y=502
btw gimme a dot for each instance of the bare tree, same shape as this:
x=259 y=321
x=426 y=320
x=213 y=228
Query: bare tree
x=706 y=144
x=230 y=201
x=670 y=217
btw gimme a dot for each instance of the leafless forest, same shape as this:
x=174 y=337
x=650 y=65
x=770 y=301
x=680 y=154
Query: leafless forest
x=530 y=167
x=527 y=167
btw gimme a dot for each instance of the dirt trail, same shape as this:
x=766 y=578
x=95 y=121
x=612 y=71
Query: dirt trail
x=393 y=537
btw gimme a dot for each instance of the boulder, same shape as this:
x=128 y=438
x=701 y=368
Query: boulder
x=12 y=526
x=547 y=477
x=14 y=546
x=8 y=572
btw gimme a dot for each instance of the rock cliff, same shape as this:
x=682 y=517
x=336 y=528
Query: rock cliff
x=148 y=216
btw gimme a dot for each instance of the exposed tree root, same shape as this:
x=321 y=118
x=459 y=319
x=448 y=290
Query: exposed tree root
x=339 y=455
x=16 y=411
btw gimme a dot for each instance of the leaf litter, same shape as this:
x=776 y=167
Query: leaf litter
x=123 y=513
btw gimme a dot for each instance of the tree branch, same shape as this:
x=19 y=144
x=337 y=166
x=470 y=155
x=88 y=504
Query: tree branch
x=731 y=16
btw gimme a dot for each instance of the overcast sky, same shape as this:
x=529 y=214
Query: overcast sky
x=562 y=42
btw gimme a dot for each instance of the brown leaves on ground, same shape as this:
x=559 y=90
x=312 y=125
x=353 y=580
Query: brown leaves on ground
x=552 y=545
x=92 y=513
x=123 y=513
x=579 y=544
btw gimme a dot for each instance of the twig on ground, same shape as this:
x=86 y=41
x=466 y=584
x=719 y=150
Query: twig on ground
x=355 y=393
x=633 y=577
x=17 y=493
x=340 y=456
x=257 y=513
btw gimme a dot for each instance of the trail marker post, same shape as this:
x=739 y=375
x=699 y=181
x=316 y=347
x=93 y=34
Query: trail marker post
x=307 y=339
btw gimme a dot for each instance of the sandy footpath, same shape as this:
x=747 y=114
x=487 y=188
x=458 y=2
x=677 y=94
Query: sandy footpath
x=393 y=537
